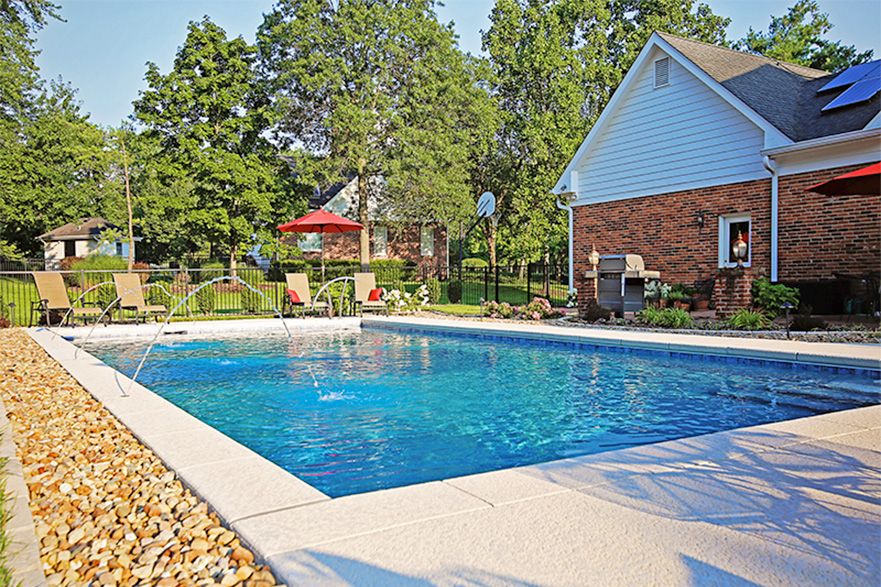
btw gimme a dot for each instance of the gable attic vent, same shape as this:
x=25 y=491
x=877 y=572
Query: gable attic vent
x=662 y=72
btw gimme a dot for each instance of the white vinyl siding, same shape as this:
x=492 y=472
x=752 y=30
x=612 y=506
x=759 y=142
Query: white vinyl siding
x=685 y=137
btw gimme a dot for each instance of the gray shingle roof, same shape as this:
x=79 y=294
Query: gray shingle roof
x=782 y=93
x=86 y=228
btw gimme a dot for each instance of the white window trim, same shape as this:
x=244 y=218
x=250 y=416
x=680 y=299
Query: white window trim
x=422 y=246
x=308 y=249
x=376 y=251
x=724 y=245
x=655 y=63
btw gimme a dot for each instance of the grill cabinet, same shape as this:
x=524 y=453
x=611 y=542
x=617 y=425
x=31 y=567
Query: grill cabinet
x=622 y=279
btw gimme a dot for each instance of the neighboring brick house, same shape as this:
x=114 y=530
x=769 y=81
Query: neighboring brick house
x=81 y=239
x=424 y=244
x=701 y=142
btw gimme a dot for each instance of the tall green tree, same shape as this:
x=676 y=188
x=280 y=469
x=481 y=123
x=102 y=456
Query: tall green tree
x=209 y=115
x=376 y=88
x=56 y=170
x=797 y=37
x=556 y=64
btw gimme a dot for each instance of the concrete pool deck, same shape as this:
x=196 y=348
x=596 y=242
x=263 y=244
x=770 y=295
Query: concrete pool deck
x=796 y=502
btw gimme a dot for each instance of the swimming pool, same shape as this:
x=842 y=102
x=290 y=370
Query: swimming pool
x=354 y=411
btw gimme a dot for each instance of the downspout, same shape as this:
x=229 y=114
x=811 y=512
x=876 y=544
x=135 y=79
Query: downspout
x=775 y=214
x=571 y=260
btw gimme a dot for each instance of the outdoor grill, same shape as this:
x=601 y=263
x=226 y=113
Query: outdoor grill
x=622 y=280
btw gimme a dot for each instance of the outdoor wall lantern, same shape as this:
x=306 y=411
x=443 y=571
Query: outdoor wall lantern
x=594 y=259
x=701 y=219
x=739 y=249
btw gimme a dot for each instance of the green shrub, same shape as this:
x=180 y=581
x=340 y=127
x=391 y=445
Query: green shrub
x=593 y=312
x=666 y=317
x=454 y=292
x=677 y=318
x=434 y=290
x=157 y=295
x=496 y=310
x=392 y=263
x=252 y=276
x=537 y=309
x=474 y=262
x=397 y=284
x=334 y=290
x=680 y=290
x=650 y=315
x=403 y=269
x=105 y=294
x=769 y=297
x=94 y=263
x=100 y=263
x=211 y=270
x=5 y=313
x=204 y=299
x=251 y=300
x=749 y=319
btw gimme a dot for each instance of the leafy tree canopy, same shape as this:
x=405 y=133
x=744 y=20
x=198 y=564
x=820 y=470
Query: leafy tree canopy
x=796 y=37
x=56 y=170
x=556 y=64
x=377 y=88
x=209 y=115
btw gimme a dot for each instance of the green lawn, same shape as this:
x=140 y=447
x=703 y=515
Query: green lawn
x=457 y=309
x=22 y=292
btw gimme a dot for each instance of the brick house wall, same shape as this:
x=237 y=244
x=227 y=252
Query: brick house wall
x=821 y=236
x=402 y=244
x=818 y=235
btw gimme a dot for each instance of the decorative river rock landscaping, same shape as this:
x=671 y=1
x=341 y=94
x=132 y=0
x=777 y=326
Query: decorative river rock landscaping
x=106 y=510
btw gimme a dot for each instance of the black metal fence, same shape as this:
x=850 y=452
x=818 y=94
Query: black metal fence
x=265 y=289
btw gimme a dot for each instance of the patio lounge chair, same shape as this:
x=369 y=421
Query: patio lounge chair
x=365 y=283
x=128 y=287
x=302 y=297
x=53 y=298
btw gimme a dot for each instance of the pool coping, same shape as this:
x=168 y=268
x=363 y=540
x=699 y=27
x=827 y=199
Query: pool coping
x=288 y=519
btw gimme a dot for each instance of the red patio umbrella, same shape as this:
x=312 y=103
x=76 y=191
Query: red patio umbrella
x=865 y=181
x=320 y=221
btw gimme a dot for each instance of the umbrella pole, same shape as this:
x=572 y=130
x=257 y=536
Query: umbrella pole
x=322 y=258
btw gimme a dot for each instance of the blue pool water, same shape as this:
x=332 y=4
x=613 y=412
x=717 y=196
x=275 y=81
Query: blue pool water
x=355 y=411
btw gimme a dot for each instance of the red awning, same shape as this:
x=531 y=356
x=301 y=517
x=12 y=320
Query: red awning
x=865 y=181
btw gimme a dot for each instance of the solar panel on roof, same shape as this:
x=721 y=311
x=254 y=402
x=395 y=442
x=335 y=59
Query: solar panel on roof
x=861 y=91
x=853 y=74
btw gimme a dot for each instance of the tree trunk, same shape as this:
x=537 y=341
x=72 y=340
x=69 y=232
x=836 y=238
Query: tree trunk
x=364 y=256
x=490 y=231
x=128 y=203
x=233 y=252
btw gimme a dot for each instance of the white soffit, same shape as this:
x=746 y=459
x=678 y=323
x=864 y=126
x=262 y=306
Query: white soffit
x=852 y=148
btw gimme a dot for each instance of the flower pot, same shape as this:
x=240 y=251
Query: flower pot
x=681 y=304
x=701 y=304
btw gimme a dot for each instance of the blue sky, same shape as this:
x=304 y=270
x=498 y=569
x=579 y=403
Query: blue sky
x=104 y=45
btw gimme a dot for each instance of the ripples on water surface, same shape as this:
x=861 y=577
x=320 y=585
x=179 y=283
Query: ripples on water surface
x=354 y=411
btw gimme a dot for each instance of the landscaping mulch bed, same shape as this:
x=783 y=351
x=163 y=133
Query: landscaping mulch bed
x=107 y=512
x=857 y=335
